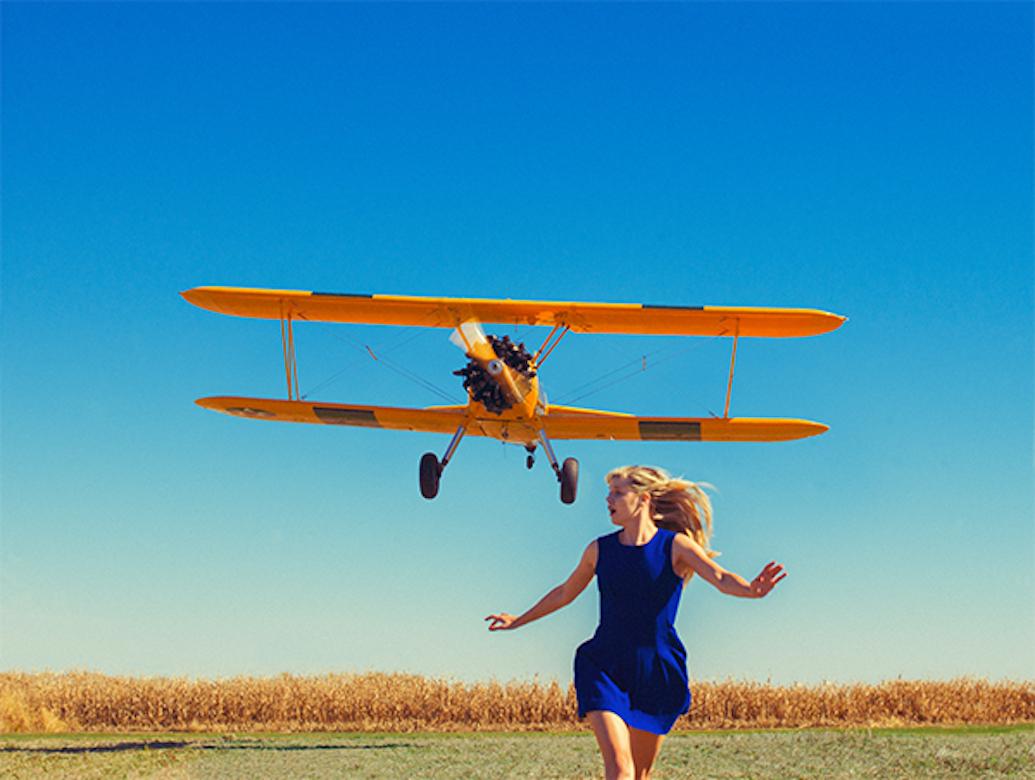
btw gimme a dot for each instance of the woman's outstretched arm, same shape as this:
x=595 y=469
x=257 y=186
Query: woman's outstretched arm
x=559 y=597
x=689 y=554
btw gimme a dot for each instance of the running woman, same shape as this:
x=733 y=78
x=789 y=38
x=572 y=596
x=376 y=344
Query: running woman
x=630 y=677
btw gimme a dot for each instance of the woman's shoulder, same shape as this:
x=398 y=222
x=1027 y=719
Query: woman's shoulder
x=607 y=540
x=669 y=537
x=591 y=554
x=679 y=538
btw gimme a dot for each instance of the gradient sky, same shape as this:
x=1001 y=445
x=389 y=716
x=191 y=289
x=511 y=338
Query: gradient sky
x=873 y=160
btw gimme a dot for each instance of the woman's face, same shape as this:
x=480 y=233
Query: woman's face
x=623 y=503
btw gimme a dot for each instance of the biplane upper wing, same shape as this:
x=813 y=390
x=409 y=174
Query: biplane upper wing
x=450 y=312
x=443 y=419
x=568 y=422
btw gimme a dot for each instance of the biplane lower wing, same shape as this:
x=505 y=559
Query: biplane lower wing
x=568 y=422
x=434 y=420
x=561 y=422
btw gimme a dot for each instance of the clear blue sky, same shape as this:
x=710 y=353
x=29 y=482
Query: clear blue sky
x=874 y=160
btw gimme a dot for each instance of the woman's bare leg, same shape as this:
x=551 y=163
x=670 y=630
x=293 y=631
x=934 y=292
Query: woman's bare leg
x=645 y=748
x=613 y=738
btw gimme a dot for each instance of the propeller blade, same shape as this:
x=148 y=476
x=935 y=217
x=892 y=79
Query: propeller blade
x=470 y=337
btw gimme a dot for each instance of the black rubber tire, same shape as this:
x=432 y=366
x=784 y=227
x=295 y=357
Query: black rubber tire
x=569 y=480
x=430 y=471
x=529 y=462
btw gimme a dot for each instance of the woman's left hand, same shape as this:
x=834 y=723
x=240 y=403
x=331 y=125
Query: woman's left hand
x=501 y=621
x=767 y=579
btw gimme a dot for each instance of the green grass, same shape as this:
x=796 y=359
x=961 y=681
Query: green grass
x=964 y=752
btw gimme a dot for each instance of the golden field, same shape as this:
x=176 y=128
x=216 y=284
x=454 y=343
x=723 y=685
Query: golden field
x=87 y=701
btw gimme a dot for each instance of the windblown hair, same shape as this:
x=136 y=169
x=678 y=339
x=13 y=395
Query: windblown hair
x=678 y=504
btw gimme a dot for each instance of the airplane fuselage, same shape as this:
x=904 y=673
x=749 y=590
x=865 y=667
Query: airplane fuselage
x=518 y=424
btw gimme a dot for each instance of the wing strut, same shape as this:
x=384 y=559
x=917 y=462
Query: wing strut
x=287 y=337
x=733 y=359
x=540 y=360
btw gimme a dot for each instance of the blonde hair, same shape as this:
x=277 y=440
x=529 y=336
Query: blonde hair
x=677 y=504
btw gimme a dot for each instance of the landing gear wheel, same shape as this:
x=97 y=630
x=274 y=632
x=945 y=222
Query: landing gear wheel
x=569 y=480
x=530 y=460
x=430 y=471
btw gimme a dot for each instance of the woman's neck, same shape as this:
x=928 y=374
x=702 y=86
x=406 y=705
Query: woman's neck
x=637 y=532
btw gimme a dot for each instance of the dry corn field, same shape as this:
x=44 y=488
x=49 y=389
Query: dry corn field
x=86 y=701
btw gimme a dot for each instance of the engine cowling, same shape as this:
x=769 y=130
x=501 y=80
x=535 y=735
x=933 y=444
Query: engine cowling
x=482 y=381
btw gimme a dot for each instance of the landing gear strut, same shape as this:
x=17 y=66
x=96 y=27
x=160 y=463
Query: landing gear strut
x=431 y=467
x=567 y=475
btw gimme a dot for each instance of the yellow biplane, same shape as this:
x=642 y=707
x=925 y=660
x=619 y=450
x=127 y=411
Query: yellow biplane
x=504 y=400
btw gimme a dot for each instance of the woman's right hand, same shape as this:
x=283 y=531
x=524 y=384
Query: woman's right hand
x=500 y=622
x=767 y=579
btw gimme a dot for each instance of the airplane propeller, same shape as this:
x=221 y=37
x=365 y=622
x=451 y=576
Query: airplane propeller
x=470 y=337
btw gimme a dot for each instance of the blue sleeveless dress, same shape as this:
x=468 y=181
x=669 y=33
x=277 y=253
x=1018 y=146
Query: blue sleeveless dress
x=635 y=665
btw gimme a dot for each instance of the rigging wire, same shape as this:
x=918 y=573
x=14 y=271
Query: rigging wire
x=419 y=380
x=379 y=356
x=568 y=395
x=640 y=365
